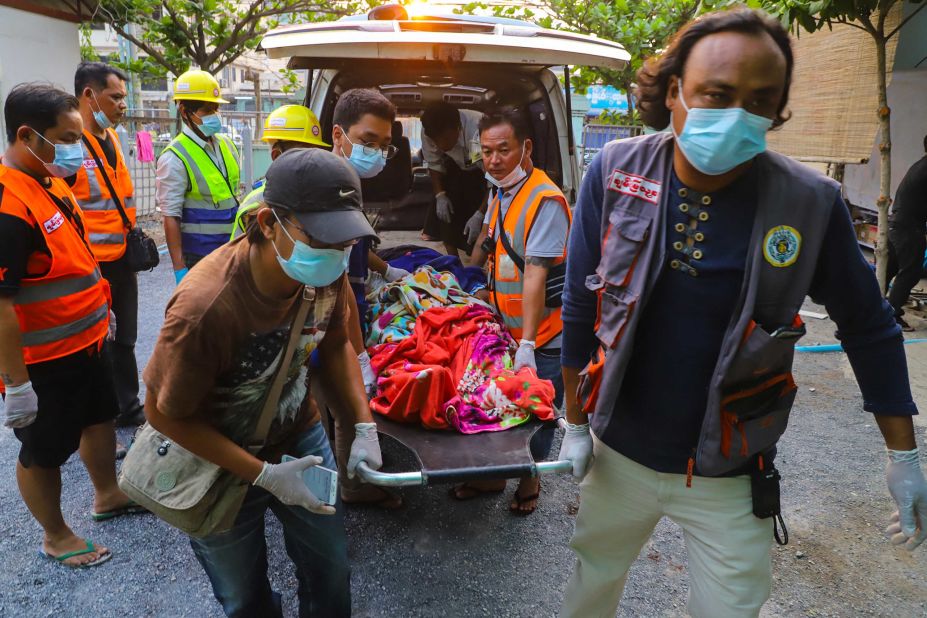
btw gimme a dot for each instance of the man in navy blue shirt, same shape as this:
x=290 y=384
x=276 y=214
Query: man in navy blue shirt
x=720 y=86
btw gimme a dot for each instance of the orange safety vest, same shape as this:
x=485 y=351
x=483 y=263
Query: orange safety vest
x=67 y=309
x=105 y=228
x=507 y=278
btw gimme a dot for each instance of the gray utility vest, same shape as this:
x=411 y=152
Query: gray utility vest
x=751 y=390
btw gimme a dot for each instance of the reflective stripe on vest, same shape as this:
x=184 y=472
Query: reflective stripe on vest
x=41 y=292
x=67 y=309
x=57 y=333
x=251 y=202
x=210 y=203
x=105 y=227
x=508 y=289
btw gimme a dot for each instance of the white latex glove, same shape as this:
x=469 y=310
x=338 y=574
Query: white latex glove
x=909 y=489
x=524 y=356
x=393 y=273
x=576 y=447
x=366 y=448
x=285 y=482
x=20 y=405
x=443 y=207
x=474 y=227
x=111 y=333
x=370 y=378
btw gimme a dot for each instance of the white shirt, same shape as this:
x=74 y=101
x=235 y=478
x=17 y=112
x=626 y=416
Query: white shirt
x=466 y=153
x=171 y=179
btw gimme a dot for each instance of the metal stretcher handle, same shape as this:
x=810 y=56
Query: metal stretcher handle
x=412 y=479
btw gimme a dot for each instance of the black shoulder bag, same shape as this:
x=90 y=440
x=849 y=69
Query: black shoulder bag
x=141 y=250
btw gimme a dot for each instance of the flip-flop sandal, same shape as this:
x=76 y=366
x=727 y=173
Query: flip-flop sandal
x=474 y=492
x=128 y=509
x=516 y=509
x=389 y=501
x=80 y=552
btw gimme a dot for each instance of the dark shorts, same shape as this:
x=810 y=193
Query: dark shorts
x=74 y=392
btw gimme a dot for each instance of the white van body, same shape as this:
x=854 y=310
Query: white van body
x=470 y=62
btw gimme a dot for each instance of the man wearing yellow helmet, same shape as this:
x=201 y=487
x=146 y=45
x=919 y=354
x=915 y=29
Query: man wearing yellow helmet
x=290 y=126
x=197 y=176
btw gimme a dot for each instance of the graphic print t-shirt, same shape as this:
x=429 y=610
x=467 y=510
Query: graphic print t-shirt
x=222 y=342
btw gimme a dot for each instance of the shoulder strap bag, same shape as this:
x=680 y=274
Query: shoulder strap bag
x=141 y=250
x=187 y=491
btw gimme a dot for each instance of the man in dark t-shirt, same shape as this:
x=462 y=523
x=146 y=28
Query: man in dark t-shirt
x=906 y=236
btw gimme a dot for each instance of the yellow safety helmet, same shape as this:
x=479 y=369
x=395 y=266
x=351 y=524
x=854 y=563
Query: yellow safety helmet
x=197 y=85
x=293 y=123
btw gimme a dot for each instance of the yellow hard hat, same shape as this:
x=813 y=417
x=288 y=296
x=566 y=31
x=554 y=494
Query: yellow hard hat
x=293 y=123
x=197 y=85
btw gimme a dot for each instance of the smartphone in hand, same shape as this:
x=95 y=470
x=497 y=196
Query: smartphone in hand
x=322 y=482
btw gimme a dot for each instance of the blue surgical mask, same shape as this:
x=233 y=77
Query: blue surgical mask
x=715 y=141
x=98 y=116
x=212 y=124
x=310 y=266
x=68 y=158
x=366 y=165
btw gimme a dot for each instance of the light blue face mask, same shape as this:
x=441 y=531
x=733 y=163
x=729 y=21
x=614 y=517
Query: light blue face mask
x=99 y=117
x=366 y=165
x=211 y=125
x=715 y=141
x=313 y=267
x=68 y=158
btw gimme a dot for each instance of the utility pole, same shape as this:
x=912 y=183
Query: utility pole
x=254 y=77
x=127 y=55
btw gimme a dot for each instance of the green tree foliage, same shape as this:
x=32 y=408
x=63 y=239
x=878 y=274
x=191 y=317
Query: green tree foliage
x=643 y=27
x=869 y=16
x=210 y=34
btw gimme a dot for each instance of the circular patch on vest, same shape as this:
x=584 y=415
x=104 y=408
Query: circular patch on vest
x=781 y=246
x=165 y=481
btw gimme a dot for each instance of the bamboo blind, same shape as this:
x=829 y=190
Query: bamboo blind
x=834 y=98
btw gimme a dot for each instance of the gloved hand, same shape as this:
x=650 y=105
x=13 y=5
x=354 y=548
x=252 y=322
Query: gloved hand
x=524 y=356
x=180 y=274
x=443 y=207
x=366 y=448
x=20 y=405
x=111 y=331
x=577 y=448
x=909 y=489
x=370 y=378
x=285 y=482
x=474 y=226
x=393 y=273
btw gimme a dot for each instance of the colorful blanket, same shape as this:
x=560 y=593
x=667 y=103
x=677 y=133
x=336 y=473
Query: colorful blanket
x=454 y=371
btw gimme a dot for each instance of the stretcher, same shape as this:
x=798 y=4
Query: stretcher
x=451 y=457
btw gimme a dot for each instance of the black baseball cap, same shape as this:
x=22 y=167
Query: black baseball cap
x=322 y=191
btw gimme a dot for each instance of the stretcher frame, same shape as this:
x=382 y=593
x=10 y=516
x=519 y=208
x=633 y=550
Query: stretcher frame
x=447 y=457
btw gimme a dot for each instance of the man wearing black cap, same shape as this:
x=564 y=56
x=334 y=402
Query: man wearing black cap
x=224 y=334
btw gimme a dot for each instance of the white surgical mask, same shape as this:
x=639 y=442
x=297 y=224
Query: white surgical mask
x=513 y=178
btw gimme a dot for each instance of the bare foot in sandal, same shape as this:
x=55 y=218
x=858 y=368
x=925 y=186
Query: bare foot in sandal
x=75 y=552
x=473 y=489
x=525 y=500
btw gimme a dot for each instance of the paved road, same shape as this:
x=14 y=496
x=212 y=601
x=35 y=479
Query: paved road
x=437 y=557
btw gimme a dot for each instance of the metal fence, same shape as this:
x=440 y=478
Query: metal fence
x=595 y=136
x=243 y=128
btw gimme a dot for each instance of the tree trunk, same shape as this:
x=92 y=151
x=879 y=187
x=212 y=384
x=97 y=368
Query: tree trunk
x=885 y=168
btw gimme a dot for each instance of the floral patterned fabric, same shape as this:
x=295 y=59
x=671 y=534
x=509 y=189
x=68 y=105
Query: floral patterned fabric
x=395 y=307
x=454 y=369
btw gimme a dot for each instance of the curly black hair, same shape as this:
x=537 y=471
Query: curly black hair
x=654 y=77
